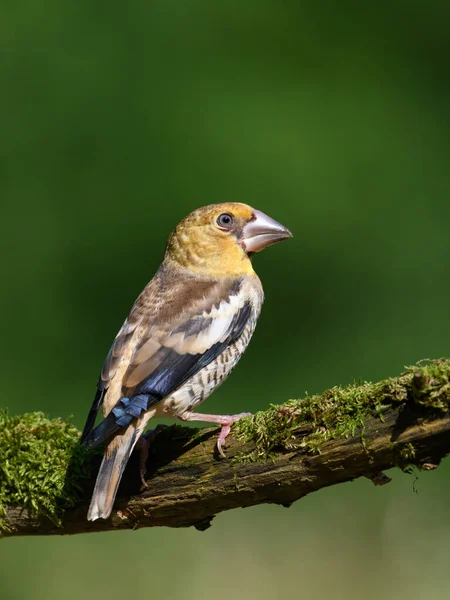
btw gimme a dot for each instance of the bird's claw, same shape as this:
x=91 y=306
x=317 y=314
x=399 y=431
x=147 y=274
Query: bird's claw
x=226 y=428
x=225 y=421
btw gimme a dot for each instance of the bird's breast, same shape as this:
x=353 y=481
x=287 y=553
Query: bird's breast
x=201 y=385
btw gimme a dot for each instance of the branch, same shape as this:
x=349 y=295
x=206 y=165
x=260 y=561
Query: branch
x=276 y=456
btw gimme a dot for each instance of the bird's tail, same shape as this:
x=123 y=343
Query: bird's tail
x=111 y=470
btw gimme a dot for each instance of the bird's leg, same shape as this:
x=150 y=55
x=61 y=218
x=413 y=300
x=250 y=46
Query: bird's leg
x=143 y=446
x=226 y=421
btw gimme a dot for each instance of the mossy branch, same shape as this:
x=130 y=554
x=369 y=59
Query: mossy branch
x=276 y=456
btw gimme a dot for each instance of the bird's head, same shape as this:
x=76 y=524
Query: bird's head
x=219 y=239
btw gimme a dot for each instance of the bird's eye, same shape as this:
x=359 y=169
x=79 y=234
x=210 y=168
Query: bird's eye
x=225 y=220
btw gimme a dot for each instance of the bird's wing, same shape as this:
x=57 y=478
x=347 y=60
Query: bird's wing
x=172 y=344
x=170 y=353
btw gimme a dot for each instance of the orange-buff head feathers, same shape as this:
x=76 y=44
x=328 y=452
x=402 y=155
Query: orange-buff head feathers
x=219 y=239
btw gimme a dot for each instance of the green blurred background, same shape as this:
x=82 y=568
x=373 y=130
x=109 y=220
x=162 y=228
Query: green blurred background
x=117 y=119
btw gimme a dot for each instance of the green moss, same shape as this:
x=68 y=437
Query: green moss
x=431 y=383
x=407 y=453
x=35 y=453
x=341 y=411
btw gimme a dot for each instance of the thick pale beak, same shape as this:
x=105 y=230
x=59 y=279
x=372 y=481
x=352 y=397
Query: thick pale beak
x=262 y=231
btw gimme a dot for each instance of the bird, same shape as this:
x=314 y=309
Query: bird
x=182 y=338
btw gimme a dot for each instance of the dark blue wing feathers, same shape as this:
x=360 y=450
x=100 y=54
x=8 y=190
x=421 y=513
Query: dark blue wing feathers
x=121 y=416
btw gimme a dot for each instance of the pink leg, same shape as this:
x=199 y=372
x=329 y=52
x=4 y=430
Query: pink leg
x=225 y=420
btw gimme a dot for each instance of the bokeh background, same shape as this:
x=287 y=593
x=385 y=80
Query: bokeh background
x=117 y=119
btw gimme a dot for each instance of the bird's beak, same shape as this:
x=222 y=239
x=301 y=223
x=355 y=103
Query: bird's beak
x=262 y=231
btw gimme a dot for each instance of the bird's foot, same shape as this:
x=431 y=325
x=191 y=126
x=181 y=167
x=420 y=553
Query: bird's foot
x=143 y=447
x=226 y=421
x=225 y=430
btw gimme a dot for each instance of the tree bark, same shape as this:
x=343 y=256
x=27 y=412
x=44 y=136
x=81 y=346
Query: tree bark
x=188 y=483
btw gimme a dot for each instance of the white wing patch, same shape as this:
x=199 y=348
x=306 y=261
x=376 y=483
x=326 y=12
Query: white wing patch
x=218 y=322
